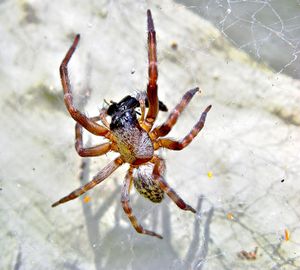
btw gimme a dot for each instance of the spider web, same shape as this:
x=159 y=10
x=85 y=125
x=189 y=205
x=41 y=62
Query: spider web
x=268 y=30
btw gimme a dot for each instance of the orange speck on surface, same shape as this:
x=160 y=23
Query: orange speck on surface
x=86 y=199
x=230 y=216
x=287 y=235
x=209 y=174
x=174 y=45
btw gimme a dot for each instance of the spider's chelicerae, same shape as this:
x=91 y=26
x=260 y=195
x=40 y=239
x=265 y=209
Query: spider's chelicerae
x=134 y=138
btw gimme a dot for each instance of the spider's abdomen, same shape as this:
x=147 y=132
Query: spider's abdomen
x=134 y=143
x=144 y=184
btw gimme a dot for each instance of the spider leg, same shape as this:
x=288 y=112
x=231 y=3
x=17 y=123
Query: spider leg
x=166 y=127
x=143 y=108
x=144 y=103
x=157 y=177
x=93 y=151
x=179 y=145
x=98 y=178
x=153 y=74
x=103 y=114
x=125 y=200
x=68 y=98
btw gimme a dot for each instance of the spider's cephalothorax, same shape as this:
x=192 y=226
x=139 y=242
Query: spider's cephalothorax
x=134 y=143
x=133 y=137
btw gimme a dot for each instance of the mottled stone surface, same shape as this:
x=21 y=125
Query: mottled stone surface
x=249 y=146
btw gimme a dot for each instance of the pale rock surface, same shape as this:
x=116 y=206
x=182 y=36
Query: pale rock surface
x=250 y=143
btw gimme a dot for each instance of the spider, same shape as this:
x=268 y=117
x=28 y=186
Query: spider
x=133 y=137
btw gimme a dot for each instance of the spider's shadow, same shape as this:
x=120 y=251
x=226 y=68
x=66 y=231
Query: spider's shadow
x=136 y=249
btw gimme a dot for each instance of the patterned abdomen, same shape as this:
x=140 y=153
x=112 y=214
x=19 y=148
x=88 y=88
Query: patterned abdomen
x=144 y=184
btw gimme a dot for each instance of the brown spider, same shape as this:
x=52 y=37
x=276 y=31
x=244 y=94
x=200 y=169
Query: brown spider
x=133 y=138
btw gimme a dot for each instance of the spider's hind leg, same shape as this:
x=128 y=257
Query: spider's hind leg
x=159 y=179
x=125 y=200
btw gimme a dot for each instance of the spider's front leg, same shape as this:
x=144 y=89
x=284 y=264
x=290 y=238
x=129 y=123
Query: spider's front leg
x=68 y=98
x=93 y=151
x=159 y=179
x=179 y=145
x=102 y=117
x=153 y=74
x=125 y=200
x=144 y=103
x=166 y=127
x=97 y=179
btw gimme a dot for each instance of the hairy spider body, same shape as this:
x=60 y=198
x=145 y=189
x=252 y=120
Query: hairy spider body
x=133 y=142
x=134 y=138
